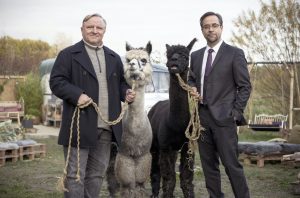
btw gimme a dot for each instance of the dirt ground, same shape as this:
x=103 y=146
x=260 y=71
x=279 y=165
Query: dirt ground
x=38 y=178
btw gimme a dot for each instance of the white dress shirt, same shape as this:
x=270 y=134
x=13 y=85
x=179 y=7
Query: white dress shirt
x=214 y=53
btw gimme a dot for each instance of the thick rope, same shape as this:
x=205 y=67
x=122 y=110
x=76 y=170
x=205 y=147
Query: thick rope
x=61 y=180
x=193 y=130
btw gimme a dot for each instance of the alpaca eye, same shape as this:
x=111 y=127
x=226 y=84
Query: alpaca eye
x=143 y=61
x=185 y=56
x=127 y=60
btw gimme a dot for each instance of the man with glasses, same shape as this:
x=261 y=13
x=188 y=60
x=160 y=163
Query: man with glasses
x=83 y=72
x=219 y=76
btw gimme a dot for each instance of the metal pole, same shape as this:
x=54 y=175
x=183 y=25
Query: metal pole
x=291 y=97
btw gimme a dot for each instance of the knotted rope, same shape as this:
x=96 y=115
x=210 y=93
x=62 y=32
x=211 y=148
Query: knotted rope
x=61 y=180
x=193 y=130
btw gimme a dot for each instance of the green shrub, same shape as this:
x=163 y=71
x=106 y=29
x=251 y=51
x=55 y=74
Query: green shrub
x=2 y=86
x=1 y=89
x=31 y=91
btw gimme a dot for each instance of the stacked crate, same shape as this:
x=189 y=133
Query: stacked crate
x=292 y=159
x=260 y=159
x=29 y=152
x=8 y=155
x=32 y=151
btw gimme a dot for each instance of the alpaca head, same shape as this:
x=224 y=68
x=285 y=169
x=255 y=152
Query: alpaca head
x=178 y=57
x=138 y=66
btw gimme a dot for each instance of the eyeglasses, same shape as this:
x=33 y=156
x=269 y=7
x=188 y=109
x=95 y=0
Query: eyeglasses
x=212 y=26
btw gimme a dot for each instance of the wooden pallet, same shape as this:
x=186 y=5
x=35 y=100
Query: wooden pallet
x=8 y=155
x=259 y=158
x=291 y=159
x=30 y=152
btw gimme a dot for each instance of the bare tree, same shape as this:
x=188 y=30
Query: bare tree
x=61 y=41
x=273 y=34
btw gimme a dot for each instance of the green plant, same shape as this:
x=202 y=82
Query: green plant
x=29 y=117
x=1 y=89
x=2 y=85
x=31 y=91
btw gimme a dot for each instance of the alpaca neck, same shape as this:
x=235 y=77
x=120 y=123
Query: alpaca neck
x=179 y=108
x=138 y=104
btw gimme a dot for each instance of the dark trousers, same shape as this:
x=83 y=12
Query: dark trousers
x=220 y=142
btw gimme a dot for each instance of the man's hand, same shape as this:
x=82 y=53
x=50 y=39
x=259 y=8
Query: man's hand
x=130 y=95
x=195 y=93
x=83 y=99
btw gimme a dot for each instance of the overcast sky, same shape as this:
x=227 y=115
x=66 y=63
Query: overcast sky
x=135 y=21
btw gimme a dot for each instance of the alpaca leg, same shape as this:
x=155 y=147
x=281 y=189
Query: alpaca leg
x=125 y=174
x=142 y=174
x=155 y=174
x=127 y=192
x=113 y=185
x=167 y=167
x=140 y=191
x=186 y=169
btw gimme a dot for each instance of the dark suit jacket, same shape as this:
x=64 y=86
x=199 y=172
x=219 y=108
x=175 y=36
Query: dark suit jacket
x=228 y=84
x=72 y=75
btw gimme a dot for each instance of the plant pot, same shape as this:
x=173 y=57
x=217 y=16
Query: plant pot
x=27 y=124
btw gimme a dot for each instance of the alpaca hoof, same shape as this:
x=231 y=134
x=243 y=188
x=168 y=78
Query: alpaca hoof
x=154 y=196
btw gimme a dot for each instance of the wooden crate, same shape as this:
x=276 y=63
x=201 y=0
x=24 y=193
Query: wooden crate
x=30 y=152
x=259 y=158
x=8 y=155
x=291 y=160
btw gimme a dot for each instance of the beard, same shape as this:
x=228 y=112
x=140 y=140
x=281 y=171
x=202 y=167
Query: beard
x=212 y=38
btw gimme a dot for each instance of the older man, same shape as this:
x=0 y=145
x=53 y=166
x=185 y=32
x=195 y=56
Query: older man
x=88 y=71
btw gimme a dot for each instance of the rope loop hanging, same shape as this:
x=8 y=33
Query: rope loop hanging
x=193 y=130
x=61 y=181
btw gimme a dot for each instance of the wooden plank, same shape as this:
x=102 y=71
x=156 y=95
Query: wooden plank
x=8 y=155
x=32 y=151
x=260 y=159
x=29 y=152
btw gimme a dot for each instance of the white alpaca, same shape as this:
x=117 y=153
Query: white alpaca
x=133 y=161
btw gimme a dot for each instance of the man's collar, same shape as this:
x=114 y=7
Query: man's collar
x=216 y=47
x=92 y=46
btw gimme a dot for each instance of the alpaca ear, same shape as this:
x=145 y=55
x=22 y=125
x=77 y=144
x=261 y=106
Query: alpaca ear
x=191 y=44
x=149 y=47
x=168 y=46
x=128 y=46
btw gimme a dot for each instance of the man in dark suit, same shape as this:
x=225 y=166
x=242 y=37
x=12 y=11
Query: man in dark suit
x=83 y=72
x=220 y=76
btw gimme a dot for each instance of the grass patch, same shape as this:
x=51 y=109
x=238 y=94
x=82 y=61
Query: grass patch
x=37 y=178
x=247 y=135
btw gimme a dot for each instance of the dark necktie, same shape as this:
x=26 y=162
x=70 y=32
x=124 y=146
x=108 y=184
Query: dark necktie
x=97 y=48
x=208 y=62
x=207 y=71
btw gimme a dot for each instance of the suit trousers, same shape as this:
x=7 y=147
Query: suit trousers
x=93 y=165
x=220 y=142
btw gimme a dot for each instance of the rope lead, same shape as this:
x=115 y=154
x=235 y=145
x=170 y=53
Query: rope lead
x=193 y=130
x=61 y=181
